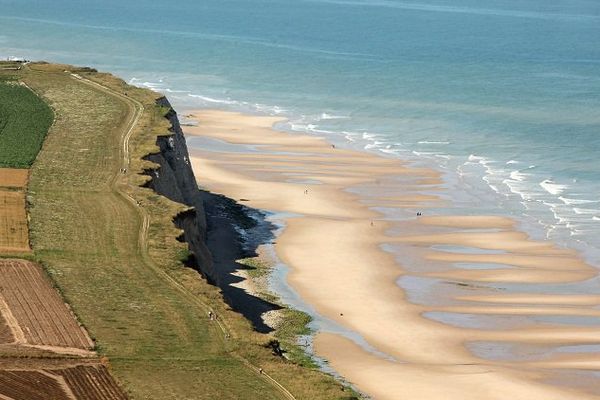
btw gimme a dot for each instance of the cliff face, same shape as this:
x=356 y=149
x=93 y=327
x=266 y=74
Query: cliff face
x=175 y=180
x=212 y=227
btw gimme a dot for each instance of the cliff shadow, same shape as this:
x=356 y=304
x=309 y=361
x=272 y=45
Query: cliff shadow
x=234 y=232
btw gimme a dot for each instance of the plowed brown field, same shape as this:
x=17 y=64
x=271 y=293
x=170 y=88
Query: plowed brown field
x=29 y=385
x=82 y=382
x=91 y=383
x=12 y=177
x=14 y=235
x=6 y=335
x=33 y=305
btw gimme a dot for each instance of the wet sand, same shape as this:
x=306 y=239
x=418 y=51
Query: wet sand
x=333 y=246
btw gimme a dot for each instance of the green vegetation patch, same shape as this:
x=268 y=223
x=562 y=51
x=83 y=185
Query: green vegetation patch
x=24 y=122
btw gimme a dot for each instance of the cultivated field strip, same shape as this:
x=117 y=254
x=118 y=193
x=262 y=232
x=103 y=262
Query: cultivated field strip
x=82 y=382
x=14 y=234
x=13 y=177
x=6 y=335
x=31 y=385
x=41 y=314
x=89 y=382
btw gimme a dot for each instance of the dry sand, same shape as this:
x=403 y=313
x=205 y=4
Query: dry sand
x=333 y=248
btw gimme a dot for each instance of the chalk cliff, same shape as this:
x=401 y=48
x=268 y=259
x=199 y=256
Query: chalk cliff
x=175 y=180
x=212 y=225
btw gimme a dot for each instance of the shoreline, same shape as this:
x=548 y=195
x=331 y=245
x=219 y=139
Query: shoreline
x=354 y=282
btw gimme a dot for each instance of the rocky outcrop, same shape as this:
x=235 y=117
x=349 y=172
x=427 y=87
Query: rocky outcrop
x=174 y=179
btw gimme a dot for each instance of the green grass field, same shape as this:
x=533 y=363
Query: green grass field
x=24 y=121
x=146 y=311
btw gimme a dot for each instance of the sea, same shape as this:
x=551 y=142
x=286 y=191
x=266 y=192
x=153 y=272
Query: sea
x=501 y=96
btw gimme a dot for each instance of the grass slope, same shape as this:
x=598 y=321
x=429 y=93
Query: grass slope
x=24 y=121
x=147 y=312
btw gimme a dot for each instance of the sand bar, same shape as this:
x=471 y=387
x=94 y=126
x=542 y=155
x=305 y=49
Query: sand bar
x=333 y=247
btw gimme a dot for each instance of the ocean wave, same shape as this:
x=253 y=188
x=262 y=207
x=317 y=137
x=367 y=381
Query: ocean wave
x=368 y=135
x=390 y=151
x=553 y=188
x=325 y=116
x=519 y=176
x=570 y=202
x=213 y=100
x=432 y=142
x=175 y=91
x=473 y=159
x=309 y=128
x=586 y=211
x=350 y=136
x=269 y=109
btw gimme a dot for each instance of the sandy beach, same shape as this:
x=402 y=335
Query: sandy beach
x=464 y=307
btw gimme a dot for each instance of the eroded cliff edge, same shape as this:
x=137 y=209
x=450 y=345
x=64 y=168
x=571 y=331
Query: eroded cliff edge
x=174 y=178
x=211 y=226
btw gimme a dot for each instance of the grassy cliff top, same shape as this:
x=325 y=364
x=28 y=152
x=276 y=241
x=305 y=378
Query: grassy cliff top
x=111 y=248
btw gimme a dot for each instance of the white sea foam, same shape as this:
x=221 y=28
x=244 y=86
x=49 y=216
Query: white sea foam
x=213 y=100
x=474 y=158
x=269 y=109
x=390 y=151
x=569 y=201
x=175 y=91
x=152 y=85
x=586 y=211
x=325 y=116
x=368 y=136
x=512 y=162
x=553 y=188
x=309 y=128
x=519 y=176
x=432 y=142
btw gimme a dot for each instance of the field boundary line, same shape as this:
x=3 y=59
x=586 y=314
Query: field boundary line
x=139 y=108
x=12 y=322
x=61 y=382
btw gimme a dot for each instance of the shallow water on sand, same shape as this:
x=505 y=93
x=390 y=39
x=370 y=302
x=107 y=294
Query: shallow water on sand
x=497 y=296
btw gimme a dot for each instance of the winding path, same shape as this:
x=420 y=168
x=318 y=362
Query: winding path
x=136 y=111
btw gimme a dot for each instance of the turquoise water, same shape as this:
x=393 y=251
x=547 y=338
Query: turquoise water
x=501 y=96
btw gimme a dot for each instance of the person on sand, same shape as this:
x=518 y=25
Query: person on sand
x=372 y=224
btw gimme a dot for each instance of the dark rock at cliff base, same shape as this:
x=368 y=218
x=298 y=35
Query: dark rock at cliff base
x=227 y=222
